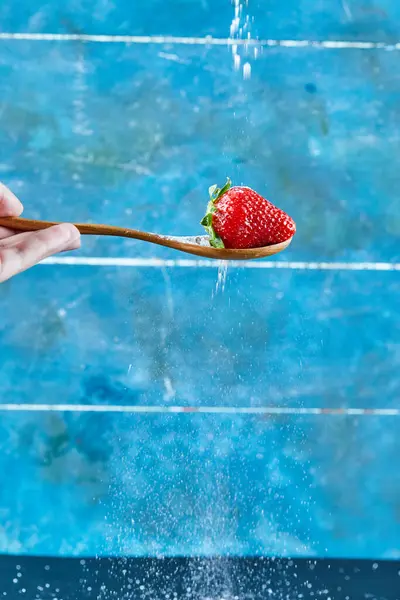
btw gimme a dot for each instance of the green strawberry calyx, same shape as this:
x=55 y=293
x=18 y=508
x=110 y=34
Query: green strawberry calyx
x=215 y=194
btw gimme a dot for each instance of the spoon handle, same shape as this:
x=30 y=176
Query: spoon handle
x=190 y=245
x=19 y=224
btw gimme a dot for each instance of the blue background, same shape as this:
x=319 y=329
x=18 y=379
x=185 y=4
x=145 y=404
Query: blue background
x=376 y=20
x=134 y=134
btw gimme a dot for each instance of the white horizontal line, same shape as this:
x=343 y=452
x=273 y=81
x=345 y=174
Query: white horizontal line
x=100 y=261
x=204 y=41
x=219 y=410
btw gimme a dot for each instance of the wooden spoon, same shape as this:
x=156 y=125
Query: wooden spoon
x=198 y=245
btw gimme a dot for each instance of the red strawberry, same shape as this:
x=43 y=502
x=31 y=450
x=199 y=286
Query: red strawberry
x=238 y=217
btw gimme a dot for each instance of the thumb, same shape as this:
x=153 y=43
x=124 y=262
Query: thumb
x=10 y=206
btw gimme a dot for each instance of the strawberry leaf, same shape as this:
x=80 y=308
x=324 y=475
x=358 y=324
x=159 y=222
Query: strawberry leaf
x=216 y=242
x=225 y=188
x=212 y=190
x=207 y=221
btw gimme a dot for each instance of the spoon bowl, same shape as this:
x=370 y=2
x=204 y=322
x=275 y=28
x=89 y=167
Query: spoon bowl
x=200 y=246
x=196 y=245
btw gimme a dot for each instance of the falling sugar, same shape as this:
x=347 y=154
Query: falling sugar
x=246 y=70
x=241 y=36
x=221 y=278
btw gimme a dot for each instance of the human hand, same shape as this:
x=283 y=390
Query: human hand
x=20 y=251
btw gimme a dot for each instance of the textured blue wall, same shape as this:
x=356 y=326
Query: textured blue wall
x=377 y=20
x=135 y=134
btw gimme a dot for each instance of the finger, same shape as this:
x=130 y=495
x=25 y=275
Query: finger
x=5 y=233
x=10 y=206
x=19 y=252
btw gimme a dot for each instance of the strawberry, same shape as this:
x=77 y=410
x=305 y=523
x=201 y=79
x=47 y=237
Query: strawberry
x=238 y=217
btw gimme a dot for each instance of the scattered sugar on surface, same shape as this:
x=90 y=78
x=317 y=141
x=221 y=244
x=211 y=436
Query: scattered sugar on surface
x=198 y=240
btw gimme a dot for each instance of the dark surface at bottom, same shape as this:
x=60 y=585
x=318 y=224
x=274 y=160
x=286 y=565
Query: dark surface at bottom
x=205 y=579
